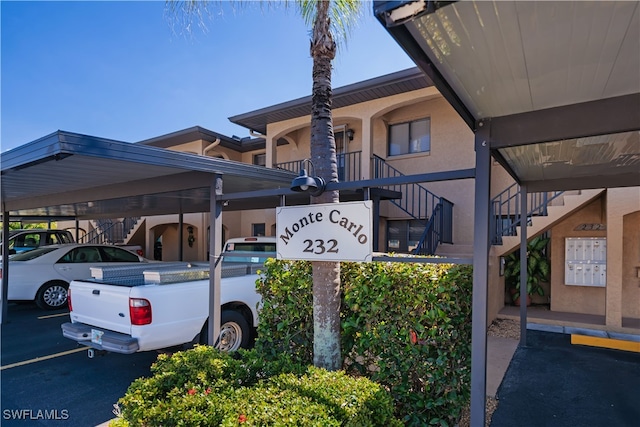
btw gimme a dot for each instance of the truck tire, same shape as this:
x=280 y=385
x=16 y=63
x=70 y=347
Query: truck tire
x=52 y=295
x=234 y=331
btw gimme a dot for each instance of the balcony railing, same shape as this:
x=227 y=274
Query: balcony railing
x=348 y=166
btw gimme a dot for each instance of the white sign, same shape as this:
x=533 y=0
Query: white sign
x=327 y=232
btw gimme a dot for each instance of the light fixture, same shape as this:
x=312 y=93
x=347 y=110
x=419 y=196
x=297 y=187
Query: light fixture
x=406 y=12
x=312 y=184
x=350 y=134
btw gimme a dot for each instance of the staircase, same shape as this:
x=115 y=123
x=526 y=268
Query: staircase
x=111 y=231
x=420 y=204
x=544 y=211
x=417 y=202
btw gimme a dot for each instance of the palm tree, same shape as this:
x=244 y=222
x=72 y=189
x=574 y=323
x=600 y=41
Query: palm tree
x=329 y=19
x=326 y=274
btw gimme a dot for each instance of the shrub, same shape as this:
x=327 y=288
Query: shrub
x=404 y=325
x=287 y=311
x=204 y=387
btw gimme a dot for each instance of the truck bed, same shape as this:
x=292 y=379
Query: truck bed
x=177 y=294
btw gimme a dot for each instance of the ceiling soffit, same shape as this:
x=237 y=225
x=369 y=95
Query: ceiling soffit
x=564 y=74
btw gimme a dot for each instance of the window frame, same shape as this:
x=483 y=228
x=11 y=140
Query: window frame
x=403 y=241
x=405 y=147
x=257 y=227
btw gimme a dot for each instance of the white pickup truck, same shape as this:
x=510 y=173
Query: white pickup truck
x=128 y=309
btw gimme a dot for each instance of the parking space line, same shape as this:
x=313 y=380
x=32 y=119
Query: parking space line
x=53 y=315
x=40 y=359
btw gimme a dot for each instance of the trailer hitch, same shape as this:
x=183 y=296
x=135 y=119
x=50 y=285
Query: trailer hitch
x=92 y=352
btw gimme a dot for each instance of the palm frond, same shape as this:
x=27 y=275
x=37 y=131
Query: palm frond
x=344 y=16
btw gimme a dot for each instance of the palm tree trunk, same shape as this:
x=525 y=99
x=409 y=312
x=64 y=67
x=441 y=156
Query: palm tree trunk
x=326 y=275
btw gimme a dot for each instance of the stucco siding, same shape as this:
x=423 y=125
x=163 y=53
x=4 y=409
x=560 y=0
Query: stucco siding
x=631 y=266
x=571 y=298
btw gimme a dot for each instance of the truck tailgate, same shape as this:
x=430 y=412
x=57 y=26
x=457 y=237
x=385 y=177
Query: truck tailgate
x=100 y=305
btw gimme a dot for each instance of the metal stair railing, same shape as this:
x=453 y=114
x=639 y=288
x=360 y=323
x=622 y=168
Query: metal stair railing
x=420 y=204
x=439 y=229
x=506 y=212
x=416 y=201
x=110 y=231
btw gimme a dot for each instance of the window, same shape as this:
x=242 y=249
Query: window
x=411 y=137
x=118 y=255
x=404 y=236
x=82 y=255
x=260 y=159
x=258 y=229
x=251 y=247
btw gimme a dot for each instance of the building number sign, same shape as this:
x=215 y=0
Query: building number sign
x=325 y=232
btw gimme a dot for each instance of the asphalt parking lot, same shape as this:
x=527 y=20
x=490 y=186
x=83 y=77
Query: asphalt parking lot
x=551 y=382
x=47 y=380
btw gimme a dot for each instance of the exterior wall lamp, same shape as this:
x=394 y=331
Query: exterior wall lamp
x=350 y=133
x=314 y=185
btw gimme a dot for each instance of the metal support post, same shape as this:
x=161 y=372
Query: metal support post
x=215 y=267
x=5 y=266
x=524 y=276
x=480 y=275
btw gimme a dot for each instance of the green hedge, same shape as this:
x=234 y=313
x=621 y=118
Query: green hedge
x=204 y=387
x=384 y=304
x=406 y=335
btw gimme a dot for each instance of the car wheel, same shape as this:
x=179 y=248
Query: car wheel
x=234 y=331
x=52 y=295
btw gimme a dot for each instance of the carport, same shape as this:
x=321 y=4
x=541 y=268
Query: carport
x=73 y=176
x=551 y=91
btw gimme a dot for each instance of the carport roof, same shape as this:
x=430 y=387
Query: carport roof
x=66 y=174
x=556 y=85
x=550 y=89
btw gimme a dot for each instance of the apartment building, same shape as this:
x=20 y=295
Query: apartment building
x=399 y=124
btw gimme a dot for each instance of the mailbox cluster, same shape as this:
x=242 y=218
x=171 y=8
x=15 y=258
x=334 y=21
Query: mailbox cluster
x=585 y=261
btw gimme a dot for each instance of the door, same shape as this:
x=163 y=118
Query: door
x=341 y=154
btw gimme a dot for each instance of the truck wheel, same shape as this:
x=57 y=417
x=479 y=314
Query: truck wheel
x=52 y=295
x=234 y=331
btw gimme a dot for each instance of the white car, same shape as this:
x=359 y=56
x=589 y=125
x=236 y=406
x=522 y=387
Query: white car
x=44 y=274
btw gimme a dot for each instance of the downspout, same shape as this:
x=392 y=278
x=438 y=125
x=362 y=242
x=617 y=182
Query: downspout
x=211 y=146
x=256 y=134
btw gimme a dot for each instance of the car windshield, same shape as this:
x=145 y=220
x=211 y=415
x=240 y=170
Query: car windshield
x=29 y=255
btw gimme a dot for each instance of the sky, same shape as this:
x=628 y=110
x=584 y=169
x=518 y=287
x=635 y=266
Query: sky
x=130 y=71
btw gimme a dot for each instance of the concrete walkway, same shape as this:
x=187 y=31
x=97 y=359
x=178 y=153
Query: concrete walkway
x=499 y=353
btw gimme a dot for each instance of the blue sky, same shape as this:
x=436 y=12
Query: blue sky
x=128 y=71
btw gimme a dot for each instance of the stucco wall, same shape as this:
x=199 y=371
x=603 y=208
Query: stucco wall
x=622 y=254
x=249 y=217
x=631 y=266
x=569 y=298
x=452 y=148
x=232 y=222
